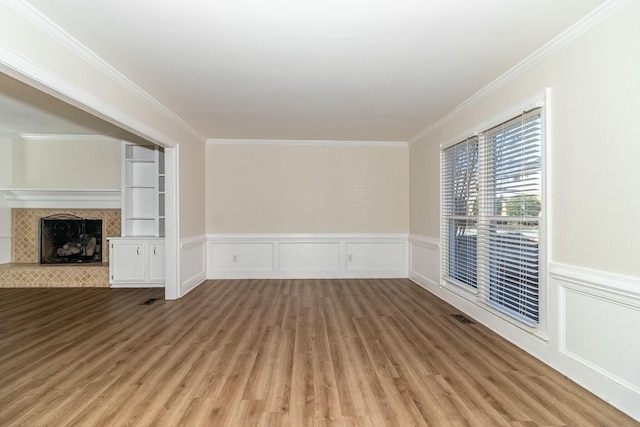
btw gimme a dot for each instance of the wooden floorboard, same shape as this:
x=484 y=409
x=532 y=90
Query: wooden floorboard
x=271 y=353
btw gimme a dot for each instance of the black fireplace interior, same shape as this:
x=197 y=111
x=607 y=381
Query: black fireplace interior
x=68 y=239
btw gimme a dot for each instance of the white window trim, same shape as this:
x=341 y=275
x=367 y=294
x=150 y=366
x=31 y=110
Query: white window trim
x=540 y=99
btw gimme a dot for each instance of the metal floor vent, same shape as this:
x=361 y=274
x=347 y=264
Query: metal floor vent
x=463 y=319
x=150 y=301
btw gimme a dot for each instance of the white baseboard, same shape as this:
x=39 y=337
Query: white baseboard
x=136 y=285
x=319 y=256
x=192 y=263
x=593 y=319
x=597 y=346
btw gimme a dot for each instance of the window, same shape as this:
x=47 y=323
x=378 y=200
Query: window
x=491 y=214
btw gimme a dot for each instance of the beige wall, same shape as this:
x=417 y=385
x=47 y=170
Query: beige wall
x=6 y=154
x=273 y=188
x=192 y=189
x=60 y=163
x=594 y=173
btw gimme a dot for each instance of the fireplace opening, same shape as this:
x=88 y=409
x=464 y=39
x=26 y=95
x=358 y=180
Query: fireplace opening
x=68 y=239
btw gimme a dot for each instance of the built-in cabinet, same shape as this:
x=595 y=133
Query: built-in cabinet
x=136 y=262
x=137 y=258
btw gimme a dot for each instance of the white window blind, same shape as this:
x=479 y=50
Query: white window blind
x=460 y=205
x=491 y=215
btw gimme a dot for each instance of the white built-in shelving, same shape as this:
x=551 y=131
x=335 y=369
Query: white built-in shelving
x=136 y=259
x=143 y=185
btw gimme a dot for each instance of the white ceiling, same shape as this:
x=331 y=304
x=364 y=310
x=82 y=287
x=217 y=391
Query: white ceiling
x=377 y=70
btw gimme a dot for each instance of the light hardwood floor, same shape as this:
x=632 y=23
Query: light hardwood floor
x=270 y=353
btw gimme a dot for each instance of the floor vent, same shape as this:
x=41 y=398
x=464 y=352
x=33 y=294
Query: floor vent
x=463 y=319
x=150 y=301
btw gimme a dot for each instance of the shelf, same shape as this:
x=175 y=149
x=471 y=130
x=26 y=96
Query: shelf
x=143 y=186
x=140 y=160
x=140 y=152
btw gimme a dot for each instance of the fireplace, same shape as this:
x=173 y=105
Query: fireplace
x=69 y=239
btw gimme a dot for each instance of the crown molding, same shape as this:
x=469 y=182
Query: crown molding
x=306 y=142
x=597 y=16
x=47 y=26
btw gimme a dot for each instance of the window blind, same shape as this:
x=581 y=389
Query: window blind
x=510 y=226
x=460 y=204
x=491 y=212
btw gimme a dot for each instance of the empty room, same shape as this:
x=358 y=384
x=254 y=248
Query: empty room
x=306 y=213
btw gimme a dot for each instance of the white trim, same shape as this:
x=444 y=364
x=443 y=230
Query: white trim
x=597 y=16
x=613 y=284
x=427 y=242
x=60 y=195
x=424 y=261
x=67 y=137
x=192 y=283
x=304 y=142
x=610 y=292
x=44 y=24
x=302 y=238
x=244 y=256
x=192 y=242
x=539 y=99
x=136 y=285
x=193 y=256
x=172 y=223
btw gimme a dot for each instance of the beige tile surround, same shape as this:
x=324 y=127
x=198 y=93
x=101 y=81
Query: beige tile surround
x=25 y=271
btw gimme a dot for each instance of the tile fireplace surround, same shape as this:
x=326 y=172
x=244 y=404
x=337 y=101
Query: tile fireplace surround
x=25 y=270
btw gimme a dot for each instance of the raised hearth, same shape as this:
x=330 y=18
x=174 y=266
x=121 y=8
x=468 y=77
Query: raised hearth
x=34 y=275
x=25 y=270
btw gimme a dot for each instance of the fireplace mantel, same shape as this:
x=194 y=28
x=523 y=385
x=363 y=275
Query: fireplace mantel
x=68 y=198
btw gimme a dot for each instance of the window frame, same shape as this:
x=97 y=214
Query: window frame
x=539 y=100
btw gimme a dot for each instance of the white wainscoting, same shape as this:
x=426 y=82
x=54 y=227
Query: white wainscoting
x=598 y=328
x=424 y=261
x=593 y=324
x=192 y=263
x=307 y=256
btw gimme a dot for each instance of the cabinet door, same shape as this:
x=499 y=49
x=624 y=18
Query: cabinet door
x=156 y=262
x=127 y=261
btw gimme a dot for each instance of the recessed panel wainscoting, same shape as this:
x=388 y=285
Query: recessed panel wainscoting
x=317 y=256
x=591 y=330
x=192 y=263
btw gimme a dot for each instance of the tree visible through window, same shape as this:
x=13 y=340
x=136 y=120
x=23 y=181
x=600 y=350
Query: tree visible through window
x=491 y=211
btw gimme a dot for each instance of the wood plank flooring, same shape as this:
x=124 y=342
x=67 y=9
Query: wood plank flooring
x=270 y=353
